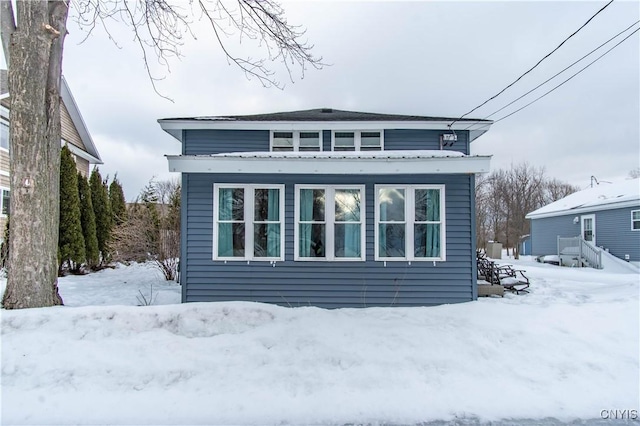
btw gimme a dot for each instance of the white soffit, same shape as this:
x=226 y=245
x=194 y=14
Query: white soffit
x=328 y=165
x=81 y=153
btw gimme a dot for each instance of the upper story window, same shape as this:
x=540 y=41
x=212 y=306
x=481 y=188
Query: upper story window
x=296 y=141
x=4 y=135
x=248 y=222
x=635 y=220
x=410 y=222
x=357 y=140
x=4 y=202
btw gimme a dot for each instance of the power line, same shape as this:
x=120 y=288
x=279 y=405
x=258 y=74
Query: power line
x=532 y=68
x=545 y=94
x=555 y=75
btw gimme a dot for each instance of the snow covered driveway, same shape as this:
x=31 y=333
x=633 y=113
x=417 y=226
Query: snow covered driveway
x=566 y=351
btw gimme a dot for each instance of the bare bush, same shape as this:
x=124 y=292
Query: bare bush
x=152 y=230
x=133 y=240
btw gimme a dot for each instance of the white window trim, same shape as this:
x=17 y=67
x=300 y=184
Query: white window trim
x=2 y=189
x=249 y=204
x=329 y=220
x=357 y=138
x=410 y=222
x=634 y=220
x=296 y=138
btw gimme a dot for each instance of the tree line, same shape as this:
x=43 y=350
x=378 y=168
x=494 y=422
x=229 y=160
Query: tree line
x=89 y=210
x=504 y=197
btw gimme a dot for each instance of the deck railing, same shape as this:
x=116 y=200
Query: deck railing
x=582 y=250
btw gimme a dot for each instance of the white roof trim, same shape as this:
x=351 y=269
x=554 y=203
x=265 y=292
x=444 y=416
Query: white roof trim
x=175 y=127
x=81 y=153
x=587 y=209
x=78 y=122
x=327 y=164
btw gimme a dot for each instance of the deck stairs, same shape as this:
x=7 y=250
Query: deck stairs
x=574 y=251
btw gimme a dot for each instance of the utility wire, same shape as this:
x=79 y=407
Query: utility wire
x=545 y=94
x=555 y=75
x=532 y=68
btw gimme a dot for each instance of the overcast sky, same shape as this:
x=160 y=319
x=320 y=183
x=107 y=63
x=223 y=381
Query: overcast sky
x=422 y=58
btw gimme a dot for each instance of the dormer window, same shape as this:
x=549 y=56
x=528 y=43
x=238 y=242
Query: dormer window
x=4 y=135
x=357 y=141
x=309 y=141
x=370 y=141
x=296 y=141
x=282 y=141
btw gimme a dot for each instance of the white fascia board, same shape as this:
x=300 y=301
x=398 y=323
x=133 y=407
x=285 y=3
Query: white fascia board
x=81 y=153
x=587 y=209
x=78 y=121
x=173 y=127
x=328 y=166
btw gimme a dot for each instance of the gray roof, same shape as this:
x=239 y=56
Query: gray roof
x=325 y=114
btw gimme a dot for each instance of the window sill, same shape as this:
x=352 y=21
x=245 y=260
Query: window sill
x=242 y=259
x=324 y=259
x=404 y=259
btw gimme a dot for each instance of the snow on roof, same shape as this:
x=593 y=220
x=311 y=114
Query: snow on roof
x=601 y=197
x=408 y=154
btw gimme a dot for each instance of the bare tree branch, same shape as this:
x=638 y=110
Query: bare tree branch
x=160 y=26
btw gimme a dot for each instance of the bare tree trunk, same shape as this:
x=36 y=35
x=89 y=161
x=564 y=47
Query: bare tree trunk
x=35 y=66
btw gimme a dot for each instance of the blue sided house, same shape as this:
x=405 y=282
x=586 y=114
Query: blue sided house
x=606 y=217
x=328 y=208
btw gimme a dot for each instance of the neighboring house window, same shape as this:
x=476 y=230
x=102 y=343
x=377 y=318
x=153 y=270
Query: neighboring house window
x=4 y=135
x=4 y=208
x=296 y=141
x=635 y=220
x=248 y=222
x=410 y=222
x=357 y=141
x=329 y=223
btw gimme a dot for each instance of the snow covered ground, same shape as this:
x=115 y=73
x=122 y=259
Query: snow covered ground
x=563 y=353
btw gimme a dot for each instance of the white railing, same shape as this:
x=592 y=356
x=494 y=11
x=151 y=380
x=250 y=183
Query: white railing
x=581 y=250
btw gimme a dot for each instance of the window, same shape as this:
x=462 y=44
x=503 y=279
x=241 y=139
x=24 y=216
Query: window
x=309 y=141
x=329 y=223
x=4 y=135
x=635 y=220
x=4 y=207
x=248 y=222
x=410 y=222
x=357 y=141
x=370 y=141
x=344 y=141
x=296 y=141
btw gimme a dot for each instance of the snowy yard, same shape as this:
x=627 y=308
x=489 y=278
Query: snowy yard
x=566 y=351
